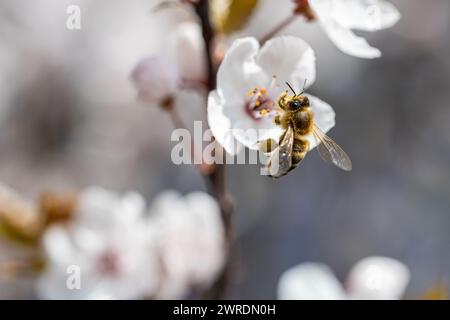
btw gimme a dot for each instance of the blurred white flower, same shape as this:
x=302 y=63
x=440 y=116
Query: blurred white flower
x=190 y=241
x=124 y=253
x=339 y=17
x=241 y=111
x=110 y=242
x=375 y=278
x=156 y=78
x=189 y=51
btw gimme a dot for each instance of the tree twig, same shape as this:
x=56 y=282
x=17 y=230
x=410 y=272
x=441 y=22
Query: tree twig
x=216 y=178
x=202 y=11
x=196 y=154
x=279 y=27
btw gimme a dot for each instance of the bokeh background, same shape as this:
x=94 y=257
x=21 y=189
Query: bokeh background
x=69 y=118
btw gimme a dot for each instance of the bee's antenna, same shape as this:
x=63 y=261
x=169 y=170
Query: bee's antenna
x=304 y=85
x=291 y=88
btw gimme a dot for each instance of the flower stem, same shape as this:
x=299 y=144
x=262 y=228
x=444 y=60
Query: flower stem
x=196 y=154
x=202 y=11
x=175 y=117
x=216 y=178
x=279 y=27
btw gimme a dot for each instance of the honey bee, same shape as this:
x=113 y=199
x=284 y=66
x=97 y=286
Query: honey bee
x=297 y=120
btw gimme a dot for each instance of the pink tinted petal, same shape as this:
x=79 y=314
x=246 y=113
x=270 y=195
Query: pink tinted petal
x=155 y=78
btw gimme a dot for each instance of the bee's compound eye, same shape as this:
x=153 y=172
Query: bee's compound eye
x=295 y=104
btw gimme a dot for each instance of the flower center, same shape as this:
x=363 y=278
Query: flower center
x=108 y=263
x=259 y=104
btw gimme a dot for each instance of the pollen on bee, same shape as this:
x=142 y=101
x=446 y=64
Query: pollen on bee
x=263 y=90
x=257 y=103
x=264 y=112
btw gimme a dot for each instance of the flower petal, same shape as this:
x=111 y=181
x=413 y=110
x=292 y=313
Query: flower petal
x=164 y=202
x=249 y=131
x=205 y=208
x=205 y=216
x=348 y=42
x=310 y=281
x=290 y=59
x=156 y=79
x=378 y=278
x=341 y=35
x=190 y=239
x=189 y=50
x=59 y=247
x=324 y=117
x=366 y=15
x=106 y=223
x=239 y=72
x=220 y=124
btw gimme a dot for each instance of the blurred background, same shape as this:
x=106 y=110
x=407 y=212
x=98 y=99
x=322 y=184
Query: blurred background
x=69 y=118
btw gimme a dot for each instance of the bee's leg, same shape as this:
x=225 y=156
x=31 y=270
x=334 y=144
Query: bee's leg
x=277 y=120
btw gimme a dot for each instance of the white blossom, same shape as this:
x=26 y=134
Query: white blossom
x=377 y=278
x=125 y=251
x=188 y=49
x=249 y=82
x=156 y=78
x=339 y=17
x=110 y=243
x=191 y=241
x=374 y=278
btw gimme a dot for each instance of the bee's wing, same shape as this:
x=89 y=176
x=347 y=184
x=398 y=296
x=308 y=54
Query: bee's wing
x=330 y=151
x=281 y=159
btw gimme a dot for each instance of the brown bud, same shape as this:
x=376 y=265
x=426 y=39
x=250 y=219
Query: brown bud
x=57 y=207
x=303 y=8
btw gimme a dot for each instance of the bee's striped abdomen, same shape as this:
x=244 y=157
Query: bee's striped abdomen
x=299 y=150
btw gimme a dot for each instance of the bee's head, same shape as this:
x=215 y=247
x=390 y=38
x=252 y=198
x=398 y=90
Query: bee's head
x=298 y=102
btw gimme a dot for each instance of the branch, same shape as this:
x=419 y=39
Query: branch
x=283 y=24
x=202 y=11
x=178 y=123
x=216 y=178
